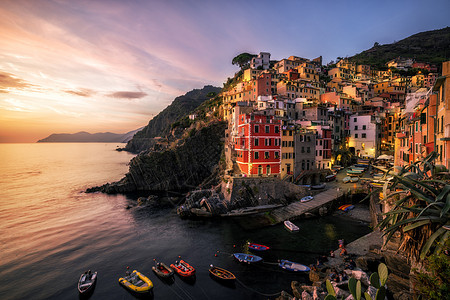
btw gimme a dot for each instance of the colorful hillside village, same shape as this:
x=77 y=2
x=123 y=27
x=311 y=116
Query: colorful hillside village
x=295 y=116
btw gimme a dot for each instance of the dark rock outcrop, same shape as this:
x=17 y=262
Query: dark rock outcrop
x=181 y=168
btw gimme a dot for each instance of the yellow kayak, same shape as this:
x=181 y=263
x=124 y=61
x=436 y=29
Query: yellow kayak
x=136 y=282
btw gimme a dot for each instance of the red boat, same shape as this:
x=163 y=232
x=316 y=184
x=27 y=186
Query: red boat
x=257 y=247
x=183 y=268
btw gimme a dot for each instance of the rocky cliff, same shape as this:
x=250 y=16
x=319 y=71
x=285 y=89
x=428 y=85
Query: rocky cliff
x=161 y=124
x=179 y=168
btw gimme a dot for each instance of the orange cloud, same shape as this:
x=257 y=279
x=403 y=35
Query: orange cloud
x=8 y=80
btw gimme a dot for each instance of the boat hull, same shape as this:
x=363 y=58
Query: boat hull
x=293 y=266
x=221 y=275
x=291 y=226
x=86 y=286
x=162 y=270
x=257 y=247
x=346 y=207
x=183 y=269
x=137 y=282
x=306 y=199
x=247 y=258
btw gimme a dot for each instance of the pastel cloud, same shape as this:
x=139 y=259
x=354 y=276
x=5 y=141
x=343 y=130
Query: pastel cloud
x=81 y=92
x=8 y=80
x=127 y=95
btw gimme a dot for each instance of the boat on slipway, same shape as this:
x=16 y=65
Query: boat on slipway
x=354 y=179
x=319 y=186
x=291 y=226
x=293 y=266
x=247 y=258
x=306 y=199
x=330 y=177
x=346 y=179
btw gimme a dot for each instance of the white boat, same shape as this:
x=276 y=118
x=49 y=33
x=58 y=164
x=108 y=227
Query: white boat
x=354 y=179
x=291 y=226
x=346 y=179
x=306 y=199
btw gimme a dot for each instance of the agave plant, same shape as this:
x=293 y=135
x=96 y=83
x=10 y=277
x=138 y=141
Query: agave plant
x=420 y=208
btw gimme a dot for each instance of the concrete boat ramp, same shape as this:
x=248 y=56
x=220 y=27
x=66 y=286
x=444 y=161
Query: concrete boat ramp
x=298 y=208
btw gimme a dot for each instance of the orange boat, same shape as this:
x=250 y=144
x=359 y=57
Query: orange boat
x=183 y=268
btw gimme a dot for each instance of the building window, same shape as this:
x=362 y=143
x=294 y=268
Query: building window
x=256 y=155
x=277 y=129
x=256 y=142
x=364 y=127
x=356 y=127
x=354 y=119
x=363 y=135
x=266 y=155
x=256 y=128
x=267 y=129
x=277 y=154
x=356 y=135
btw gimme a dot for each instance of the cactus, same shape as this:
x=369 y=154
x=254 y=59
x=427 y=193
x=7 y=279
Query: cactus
x=330 y=289
x=377 y=280
x=383 y=273
x=381 y=293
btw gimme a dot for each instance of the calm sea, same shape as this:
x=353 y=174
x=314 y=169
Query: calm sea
x=51 y=232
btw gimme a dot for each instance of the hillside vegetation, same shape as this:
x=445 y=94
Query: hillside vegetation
x=429 y=46
x=161 y=124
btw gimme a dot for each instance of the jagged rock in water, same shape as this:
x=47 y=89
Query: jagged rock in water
x=181 y=168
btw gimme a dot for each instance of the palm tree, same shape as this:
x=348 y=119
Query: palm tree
x=420 y=201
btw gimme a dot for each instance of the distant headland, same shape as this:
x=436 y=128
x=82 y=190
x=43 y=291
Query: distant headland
x=86 y=137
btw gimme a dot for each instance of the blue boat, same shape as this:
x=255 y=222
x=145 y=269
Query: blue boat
x=247 y=258
x=293 y=266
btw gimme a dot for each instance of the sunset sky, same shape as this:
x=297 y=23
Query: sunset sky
x=97 y=66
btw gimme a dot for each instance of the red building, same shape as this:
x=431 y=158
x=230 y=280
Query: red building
x=258 y=145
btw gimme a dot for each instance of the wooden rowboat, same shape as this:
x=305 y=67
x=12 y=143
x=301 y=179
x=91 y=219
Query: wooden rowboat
x=221 y=274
